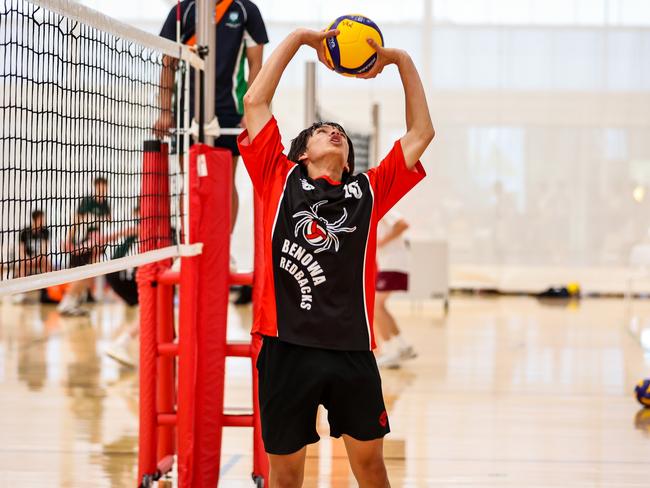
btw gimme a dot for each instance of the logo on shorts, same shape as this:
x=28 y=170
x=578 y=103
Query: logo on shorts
x=319 y=232
x=383 y=419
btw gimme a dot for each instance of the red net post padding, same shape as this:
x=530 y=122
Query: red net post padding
x=146 y=276
x=187 y=358
x=214 y=233
x=152 y=200
x=207 y=274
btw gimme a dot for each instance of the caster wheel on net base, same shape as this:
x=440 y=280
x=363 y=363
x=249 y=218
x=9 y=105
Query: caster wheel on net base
x=258 y=480
x=147 y=481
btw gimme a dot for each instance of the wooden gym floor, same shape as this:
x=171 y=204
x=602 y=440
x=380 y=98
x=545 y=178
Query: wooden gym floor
x=505 y=392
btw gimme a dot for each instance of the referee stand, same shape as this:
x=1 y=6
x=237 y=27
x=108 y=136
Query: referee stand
x=182 y=403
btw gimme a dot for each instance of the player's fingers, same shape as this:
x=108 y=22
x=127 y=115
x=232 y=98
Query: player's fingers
x=369 y=74
x=374 y=45
x=330 y=33
x=324 y=60
x=373 y=72
x=320 y=52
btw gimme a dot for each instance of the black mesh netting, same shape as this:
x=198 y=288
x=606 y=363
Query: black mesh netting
x=76 y=106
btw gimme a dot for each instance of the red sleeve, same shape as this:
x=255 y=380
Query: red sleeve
x=263 y=157
x=391 y=180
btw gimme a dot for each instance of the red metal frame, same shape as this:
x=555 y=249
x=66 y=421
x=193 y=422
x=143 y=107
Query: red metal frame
x=194 y=430
x=155 y=169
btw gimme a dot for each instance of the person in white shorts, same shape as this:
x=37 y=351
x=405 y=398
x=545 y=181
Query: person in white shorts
x=392 y=275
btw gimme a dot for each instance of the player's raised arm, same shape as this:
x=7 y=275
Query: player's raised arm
x=165 y=120
x=257 y=101
x=419 y=128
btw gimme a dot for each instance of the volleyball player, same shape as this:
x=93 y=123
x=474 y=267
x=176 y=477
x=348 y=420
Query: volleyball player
x=32 y=247
x=124 y=284
x=32 y=259
x=82 y=243
x=319 y=225
x=392 y=258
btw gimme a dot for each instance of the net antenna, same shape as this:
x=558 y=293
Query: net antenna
x=79 y=96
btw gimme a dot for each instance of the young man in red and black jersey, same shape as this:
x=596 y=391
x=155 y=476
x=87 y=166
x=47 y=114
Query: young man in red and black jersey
x=320 y=225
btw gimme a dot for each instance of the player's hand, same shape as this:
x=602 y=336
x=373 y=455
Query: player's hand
x=315 y=40
x=385 y=56
x=163 y=125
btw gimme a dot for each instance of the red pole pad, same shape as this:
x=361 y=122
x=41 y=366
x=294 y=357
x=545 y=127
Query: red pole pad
x=203 y=314
x=214 y=169
x=154 y=182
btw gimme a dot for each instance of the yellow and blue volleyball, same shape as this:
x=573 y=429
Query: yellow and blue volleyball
x=642 y=392
x=349 y=53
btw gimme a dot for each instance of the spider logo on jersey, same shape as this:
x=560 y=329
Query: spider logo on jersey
x=319 y=232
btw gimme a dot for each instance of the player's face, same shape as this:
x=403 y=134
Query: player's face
x=325 y=141
x=100 y=190
x=39 y=221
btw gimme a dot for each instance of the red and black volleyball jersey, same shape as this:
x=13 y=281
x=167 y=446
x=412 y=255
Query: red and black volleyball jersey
x=318 y=284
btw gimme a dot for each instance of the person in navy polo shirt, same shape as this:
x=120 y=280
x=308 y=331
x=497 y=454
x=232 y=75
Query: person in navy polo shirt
x=241 y=36
x=318 y=287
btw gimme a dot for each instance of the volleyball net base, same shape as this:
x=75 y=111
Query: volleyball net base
x=182 y=365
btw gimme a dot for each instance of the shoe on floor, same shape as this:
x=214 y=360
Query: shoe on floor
x=390 y=360
x=18 y=298
x=407 y=353
x=121 y=354
x=74 y=311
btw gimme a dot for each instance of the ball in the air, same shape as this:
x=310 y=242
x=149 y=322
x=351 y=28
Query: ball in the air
x=642 y=392
x=349 y=53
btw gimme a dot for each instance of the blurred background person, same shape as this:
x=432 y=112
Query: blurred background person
x=392 y=275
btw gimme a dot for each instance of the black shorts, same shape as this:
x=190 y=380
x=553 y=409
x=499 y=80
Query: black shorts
x=294 y=380
x=228 y=142
x=80 y=259
x=124 y=285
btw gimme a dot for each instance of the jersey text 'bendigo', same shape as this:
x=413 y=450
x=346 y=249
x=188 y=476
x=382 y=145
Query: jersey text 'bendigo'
x=320 y=244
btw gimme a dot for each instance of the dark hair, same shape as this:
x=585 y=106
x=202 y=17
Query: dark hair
x=37 y=213
x=100 y=179
x=299 y=144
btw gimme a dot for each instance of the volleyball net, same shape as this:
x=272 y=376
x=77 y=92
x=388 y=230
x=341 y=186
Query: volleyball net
x=80 y=95
x=88 y=186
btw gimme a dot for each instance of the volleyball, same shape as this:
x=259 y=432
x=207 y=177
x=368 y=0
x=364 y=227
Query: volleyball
x=349 y=53
x=642 y=392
